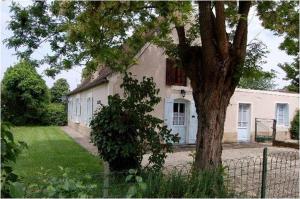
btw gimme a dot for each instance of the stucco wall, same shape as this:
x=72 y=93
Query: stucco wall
x=263 y=105
x=97 y=94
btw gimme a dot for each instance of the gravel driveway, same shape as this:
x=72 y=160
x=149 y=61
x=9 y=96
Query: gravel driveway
x=184 y=157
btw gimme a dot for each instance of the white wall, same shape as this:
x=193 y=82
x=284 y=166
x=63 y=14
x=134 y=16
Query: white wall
x=96 y=94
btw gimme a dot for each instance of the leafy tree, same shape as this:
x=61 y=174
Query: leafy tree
x=10 y=149
x=282 y=18
x=93 y=33
x=24 y=95
x=59 y=90
x=124 y=130
x=55 y=114
x=294 y=130
x=261 y=81
x=253 y=76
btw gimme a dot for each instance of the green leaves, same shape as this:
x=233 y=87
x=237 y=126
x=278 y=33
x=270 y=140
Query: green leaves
x=91 y=33
x=124 y=130
x=253 y=76
x=59 y=90
x=282 y=17
x=24 y=94
x=17 y=190
x=294 y=130
x=10 y=187
x=65 y=186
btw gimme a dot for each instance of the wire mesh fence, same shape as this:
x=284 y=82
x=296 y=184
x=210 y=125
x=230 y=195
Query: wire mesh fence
x=273 y=175
x=280 y=170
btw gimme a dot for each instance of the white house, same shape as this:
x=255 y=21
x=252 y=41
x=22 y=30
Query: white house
x=177 y=107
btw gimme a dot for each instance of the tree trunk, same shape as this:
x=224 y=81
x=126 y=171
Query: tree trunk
x=214 y=69
x=211 y=118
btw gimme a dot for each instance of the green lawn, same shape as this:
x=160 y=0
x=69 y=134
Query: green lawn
x=50 y=147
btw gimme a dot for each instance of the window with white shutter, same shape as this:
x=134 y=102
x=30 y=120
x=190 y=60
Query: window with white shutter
x=282 y=114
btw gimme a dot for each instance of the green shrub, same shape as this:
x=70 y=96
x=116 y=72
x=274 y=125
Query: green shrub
x=9 y=152
x=61 y=187
x=294 y=130
x=124 y=130
x=24 y=95
x=55 y=114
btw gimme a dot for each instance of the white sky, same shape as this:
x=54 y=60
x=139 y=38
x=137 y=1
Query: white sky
x=73 y=76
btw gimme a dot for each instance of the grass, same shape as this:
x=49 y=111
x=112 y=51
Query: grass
x=50 y=147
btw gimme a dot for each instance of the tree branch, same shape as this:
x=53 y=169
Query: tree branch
x=206 y=30
x=221 y=30
x=240 y=37
x=181 y=35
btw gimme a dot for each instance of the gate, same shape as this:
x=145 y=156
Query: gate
x=265 y=129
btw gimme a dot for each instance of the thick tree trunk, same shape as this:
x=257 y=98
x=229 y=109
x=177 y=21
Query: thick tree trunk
x=211 y=118
x=214 y=69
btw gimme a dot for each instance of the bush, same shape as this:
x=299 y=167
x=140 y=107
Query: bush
x=9 y=152
x=55 y=114
x=294 y=130
x=124 y=130
x=24 y=95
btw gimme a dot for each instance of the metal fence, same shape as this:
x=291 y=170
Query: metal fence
x=274 y=175
x=271 y=175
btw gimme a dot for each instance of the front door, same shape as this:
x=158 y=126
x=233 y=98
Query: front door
x=179 y=120
x=244 y=123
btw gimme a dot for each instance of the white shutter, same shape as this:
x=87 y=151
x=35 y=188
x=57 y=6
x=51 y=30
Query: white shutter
x=168 y=112
x=286 y=115
x=193 y=126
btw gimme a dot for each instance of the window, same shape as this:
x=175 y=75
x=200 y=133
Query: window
x=89 y=109
x=174 y=74
x=243 y=116
x=282 y=114
x=178 y=114
x=78 y=108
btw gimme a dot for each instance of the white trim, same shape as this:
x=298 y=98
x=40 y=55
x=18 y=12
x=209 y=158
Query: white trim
x=267 y=92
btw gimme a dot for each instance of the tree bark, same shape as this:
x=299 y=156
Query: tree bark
x=214 y=71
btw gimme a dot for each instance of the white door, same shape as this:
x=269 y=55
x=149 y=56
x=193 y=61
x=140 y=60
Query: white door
x=179 y=120
x=244 y=123
x=193 y=124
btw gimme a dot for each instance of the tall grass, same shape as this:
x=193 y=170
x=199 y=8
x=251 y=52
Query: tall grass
x=192 y=184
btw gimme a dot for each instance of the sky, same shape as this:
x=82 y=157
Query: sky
x=73 y=76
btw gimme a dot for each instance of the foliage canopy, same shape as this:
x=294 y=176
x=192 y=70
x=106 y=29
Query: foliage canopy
x=282 y=17
x=59 y=90
x=24 y=95
x=253 y=76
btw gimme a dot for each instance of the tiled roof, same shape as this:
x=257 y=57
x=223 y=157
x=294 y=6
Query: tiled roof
x=89 y=83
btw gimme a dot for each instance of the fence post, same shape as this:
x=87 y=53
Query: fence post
x=255 y=133
x=274 y=132
x=264 y=173
x=106 y=180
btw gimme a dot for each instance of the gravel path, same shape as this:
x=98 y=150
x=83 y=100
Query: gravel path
x=182 y=156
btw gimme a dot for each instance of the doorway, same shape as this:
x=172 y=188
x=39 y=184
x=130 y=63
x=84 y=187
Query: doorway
x=244 y=123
